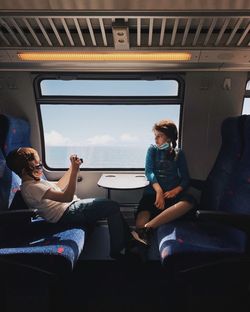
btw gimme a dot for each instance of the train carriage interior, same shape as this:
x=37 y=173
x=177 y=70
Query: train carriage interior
x=92 y=78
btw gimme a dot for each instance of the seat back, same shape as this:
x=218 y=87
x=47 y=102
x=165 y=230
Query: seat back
x=5 y=183
x=14 y=133
x=236 y=197
x=232 y=145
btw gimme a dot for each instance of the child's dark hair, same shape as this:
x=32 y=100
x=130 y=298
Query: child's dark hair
x=18 y=159
x=169 y=128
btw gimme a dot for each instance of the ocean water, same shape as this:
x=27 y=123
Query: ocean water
x=97 y=156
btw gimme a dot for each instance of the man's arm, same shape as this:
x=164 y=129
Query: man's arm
x=68 y=193
x=64 y=181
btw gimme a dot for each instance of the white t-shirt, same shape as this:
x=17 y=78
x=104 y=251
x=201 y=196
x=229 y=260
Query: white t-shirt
x=33 y=192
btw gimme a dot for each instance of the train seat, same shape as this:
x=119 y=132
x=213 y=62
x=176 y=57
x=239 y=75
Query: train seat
x=26 y=239
x=219 y=233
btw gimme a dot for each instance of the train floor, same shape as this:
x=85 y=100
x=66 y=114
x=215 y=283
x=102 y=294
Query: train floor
x=96 y=286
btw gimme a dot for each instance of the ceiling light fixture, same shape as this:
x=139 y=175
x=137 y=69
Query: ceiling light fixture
x=104 y=56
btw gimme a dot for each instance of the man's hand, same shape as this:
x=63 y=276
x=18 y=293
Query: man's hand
x=75 y=162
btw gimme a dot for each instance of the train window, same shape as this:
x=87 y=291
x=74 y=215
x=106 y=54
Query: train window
x=246 y=103
x=109 y=88
x=99 y=123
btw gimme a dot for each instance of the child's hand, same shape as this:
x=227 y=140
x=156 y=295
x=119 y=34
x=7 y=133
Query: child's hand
x=159 y=201
x=173 y=193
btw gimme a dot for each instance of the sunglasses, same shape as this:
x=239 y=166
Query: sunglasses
x=39 y=167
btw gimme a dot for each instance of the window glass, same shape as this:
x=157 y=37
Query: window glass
x=105 y=136
x=134 y=88
x=246 y=106
x=246 y=103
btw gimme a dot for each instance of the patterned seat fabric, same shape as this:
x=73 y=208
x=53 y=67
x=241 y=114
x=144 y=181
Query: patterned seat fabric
x=14 y=133
x=5 y=183
x=236 y=197
x=45 y=246
x=186 y=242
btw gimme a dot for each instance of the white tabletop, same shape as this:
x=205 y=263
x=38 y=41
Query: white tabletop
x=123 y=181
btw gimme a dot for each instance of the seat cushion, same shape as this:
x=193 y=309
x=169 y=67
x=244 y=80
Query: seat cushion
x=43 y=245
x=190 y=242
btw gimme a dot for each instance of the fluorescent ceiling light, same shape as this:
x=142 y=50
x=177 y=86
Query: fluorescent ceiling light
x=102 y=56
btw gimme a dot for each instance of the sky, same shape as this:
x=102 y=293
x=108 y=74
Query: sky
x=123 y=125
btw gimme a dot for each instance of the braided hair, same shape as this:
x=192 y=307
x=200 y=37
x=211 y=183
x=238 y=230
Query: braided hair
x=169 y=128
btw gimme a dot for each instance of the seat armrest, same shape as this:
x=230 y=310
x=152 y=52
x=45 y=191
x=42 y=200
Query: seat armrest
x=237 y=220
x=197 y=184
x=17 y=216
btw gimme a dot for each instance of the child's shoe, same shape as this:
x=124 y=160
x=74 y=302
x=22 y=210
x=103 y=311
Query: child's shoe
x=144 y=235
x=138 y=238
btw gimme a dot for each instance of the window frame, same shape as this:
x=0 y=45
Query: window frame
x=105 y=100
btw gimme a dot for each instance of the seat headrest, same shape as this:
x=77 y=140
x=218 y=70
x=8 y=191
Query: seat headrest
x=14 y=133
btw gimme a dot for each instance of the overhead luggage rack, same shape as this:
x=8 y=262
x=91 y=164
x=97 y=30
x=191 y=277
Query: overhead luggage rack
x=141 y=30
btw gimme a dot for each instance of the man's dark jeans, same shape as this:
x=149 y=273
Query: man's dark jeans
x=88 y=211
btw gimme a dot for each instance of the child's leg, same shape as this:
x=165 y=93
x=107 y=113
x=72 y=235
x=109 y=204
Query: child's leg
x=170 y=214
x=142 y=218
x=145 y=207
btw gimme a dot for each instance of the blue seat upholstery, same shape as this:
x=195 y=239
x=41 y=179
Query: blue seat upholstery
x=44 y=246
x=237 y=194
x=14 y=132
x=5 y=183
x=226 y=197
x=229 y=154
